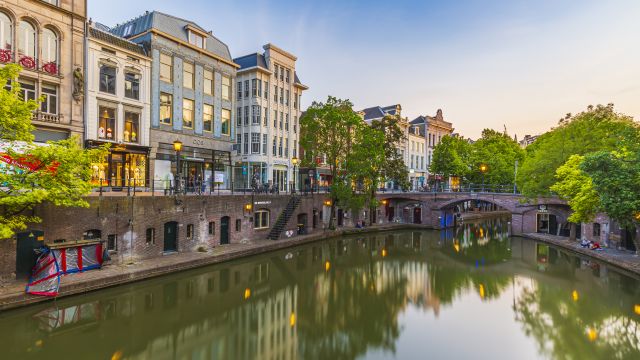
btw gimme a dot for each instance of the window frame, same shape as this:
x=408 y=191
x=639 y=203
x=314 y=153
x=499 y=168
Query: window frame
x=113 y=121
x=165 y=65
x=204 y=117
x=225 y=122
x=170 y=105
x=45 y=106
x=188 y=77
x=114 y=79
x=261 y=219
x=127 y=120
x=226 y=88
x=133 y=91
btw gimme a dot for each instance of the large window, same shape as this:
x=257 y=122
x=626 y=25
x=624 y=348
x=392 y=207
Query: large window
x=246 y=115
x=254 y=87
x=27 y=39
x=132 y=85
x=187 y=113
x=195 y=39
x=264 y=144
x=239 y=116
x=27 y=90
x=239 y=90
x=246 y=88
x=246 y=143
x=187 y=74
x=49 y=47
x=166 y=108
x=226 y=88
x=226 y=122
x=106 y=123
x=261 y=219
x=255 y=143
x=266 y=116
x=255 y=116
x=207 y=118
x=50 y=103
x=131 y=131
x=208 y=82
x=108 y=79
x=166 y=68
x=6 y=32
x=266 y=89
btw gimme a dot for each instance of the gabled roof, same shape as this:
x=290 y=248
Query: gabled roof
x=109 y=38
x=378 y=112
x=420 y=120
x=173 y=26
x=251 y=60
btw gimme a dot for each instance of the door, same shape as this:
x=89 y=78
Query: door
x=224 y=230
x=117 y=170
x=391 y=211
x=553 y=225
x=171 y=236
x=340 y=217
x=25 y=256
x=417 y=215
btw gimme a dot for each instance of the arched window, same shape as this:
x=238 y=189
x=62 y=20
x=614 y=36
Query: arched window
x=108 y=79
x=49 y=46
x=6 y=32
x=27 y=39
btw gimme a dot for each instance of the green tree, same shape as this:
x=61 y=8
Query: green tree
x=451 y=157
x=499 y=153
x=327 y=130
x=576 y=186
x=58 y=172
x=598 y=128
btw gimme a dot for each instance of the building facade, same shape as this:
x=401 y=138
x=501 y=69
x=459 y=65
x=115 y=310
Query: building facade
x=192 y=103
x=117 y=108
x=46 y=38
x=268 y=95
x=416 y=146
x=434 y=129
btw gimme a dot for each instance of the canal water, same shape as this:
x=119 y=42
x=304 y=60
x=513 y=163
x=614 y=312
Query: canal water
x=468 y=293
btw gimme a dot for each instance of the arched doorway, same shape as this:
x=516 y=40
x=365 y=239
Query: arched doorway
x=417 y=215
x=171 y=236
x=224 y=230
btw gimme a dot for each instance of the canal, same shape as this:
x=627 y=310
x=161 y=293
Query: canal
x=468 y=293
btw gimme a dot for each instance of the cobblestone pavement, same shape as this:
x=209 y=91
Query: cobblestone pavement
x=623 y=259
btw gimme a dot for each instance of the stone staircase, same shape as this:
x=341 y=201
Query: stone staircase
x=284 y=218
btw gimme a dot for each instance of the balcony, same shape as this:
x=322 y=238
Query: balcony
x=30 y=63
x=48 y=118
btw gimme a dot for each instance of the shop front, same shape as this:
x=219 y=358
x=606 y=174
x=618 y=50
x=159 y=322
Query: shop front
x=125 y=165
x=280 y=177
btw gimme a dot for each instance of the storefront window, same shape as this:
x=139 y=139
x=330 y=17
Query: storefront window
x=131 y=127
x=106 y=123
x=136 y=169
x=99 y=173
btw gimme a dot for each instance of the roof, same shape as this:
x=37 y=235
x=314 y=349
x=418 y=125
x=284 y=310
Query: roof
x=251 y=60
x=296 y=81
x=173 y=26
x=378 y=112
x=116 y=41
x=419 y=120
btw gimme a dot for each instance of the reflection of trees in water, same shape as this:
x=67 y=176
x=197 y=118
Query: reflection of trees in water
x=485 y=242
x=447 y=282
x=591 y=326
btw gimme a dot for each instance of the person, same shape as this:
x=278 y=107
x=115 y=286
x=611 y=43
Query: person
x=359 y=224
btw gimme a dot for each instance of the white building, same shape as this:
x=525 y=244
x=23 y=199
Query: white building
x=416 y=144
x=117 y=107
x=268 y=95
x=434 y=129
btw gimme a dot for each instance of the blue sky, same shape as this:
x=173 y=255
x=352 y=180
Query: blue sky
x=485 y=63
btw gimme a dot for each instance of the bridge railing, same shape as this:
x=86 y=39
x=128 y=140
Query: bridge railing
x=465 y=188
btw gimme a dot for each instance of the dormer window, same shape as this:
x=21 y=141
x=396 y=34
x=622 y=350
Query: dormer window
x=196 y=39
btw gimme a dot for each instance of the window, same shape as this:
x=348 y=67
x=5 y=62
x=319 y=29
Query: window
x=226 y=88
x=187 y=75
x=239 y=116
x=27 y=90
x=274 y=146
x=151 y=236
x=239 y=86
x=238 y=225
x=281 y=74
x=106 y=123
x=286 y=122
x=254 y=87
x=92 y=234
x=295 y=100
x=49 y=47
x=281 y=95
x=275 y=119
x=166 y=68
x=112 y=242
x=132 y=85
x=195 y=39
x=187 y=113
x=166 y=108
x=131 y=127
x=246 y=115
x=286 y=148
x=6 y=32
x=212 y=227
x=259 y=88
x=286 y=99
x=281 y=119
x=264 y=144
x=596 y=229
x=239 y=142
x=261 y=219
x=266 y=89
x=246 y=143
x=255 y=143
x=208 y=82
x=50 y=103
x=275 y=93
x=295 y=124
x=225 y=128
x=190 y=231
x=246 y=88
x=280 y=147
x=266 y=116
x=255 y=116
x=27 y=39
x=207 y=118
x=288 y=75
x=295 y=148
x=108 y=79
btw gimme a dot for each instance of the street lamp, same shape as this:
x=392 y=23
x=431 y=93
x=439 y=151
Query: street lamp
x=483 y=169
x=294 y=161
x=177 y=146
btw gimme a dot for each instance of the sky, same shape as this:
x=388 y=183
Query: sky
x=485 y=63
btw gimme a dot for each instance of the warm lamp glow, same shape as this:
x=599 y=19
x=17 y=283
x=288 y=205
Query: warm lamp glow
x=327 y=202
x=327 y=265
x=484 y=168
x=247 y=293
x=636 y=309
x=385 y=202
x=384 y=252
x=481 y=291
x=592 y=334
x=574 y=295
x=292 y=319
x=294 y=161
x=177 y=145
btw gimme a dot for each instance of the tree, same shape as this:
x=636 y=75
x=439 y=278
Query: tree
x=598 y=128
x=499 y=152
x=58 y=172
x=451 y=157
x=327 y=130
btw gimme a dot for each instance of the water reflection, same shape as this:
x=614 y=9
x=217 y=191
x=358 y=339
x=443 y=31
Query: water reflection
x=345 y=299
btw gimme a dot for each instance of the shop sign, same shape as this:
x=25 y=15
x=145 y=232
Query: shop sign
x=262 y=202
x=219 y=178
x=542 y=208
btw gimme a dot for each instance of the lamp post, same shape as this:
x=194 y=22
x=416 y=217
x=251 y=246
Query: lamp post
x=177 y=146
x=294 y=161
x=483 y=169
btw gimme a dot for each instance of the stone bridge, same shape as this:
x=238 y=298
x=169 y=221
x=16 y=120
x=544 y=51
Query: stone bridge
x=439 y=209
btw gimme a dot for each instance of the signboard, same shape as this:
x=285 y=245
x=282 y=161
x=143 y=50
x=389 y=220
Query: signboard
x=244 y=170
x=218 y=177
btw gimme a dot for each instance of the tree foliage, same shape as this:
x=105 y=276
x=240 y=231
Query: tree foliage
x=575 y=186
x=58 y=172
x=451 y=157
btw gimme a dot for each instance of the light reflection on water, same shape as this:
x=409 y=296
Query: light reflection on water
x=471 y=292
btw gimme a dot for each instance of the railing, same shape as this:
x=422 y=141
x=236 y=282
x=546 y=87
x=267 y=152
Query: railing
x=466 y=188
x=30 y=62
x=45 y=117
